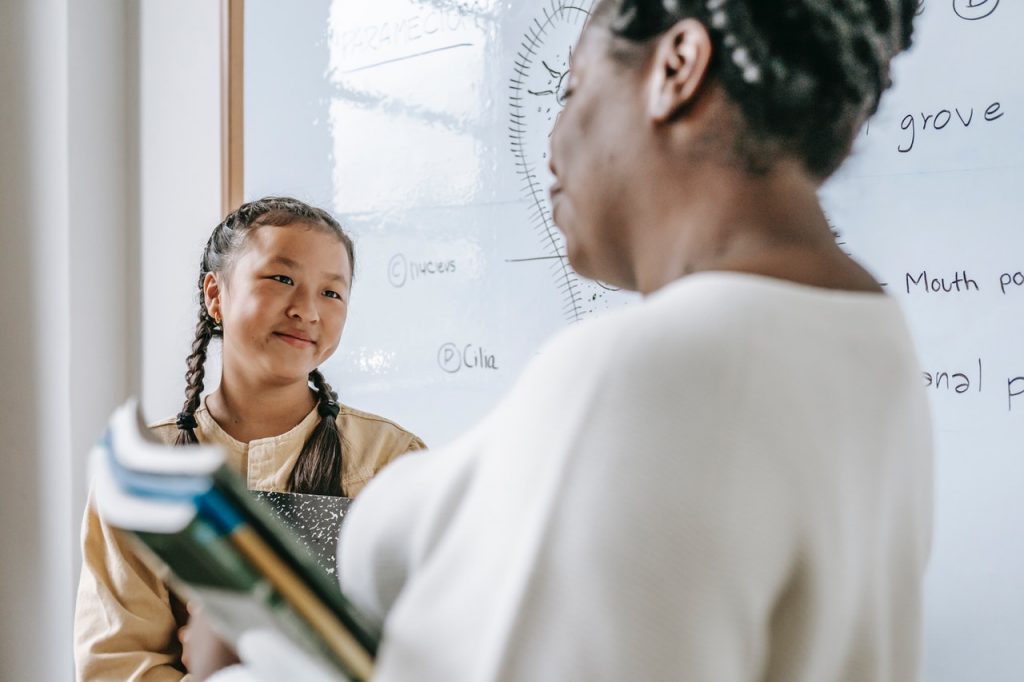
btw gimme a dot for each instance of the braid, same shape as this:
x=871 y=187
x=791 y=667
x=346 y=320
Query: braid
x=318 y=468
x=196 y=370
x=804 y=73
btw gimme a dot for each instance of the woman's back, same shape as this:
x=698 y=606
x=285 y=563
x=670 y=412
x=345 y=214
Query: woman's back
x=727 y=482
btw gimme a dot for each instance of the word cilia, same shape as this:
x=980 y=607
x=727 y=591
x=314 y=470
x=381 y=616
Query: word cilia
x=452 y=358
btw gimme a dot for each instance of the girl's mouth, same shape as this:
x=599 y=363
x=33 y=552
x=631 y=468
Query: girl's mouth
x=296 y=341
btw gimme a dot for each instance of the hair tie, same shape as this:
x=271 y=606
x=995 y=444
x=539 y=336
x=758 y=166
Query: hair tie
x=186 y=421
x=328 y=408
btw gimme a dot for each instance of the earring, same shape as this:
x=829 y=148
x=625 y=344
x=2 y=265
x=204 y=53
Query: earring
x=216 y=319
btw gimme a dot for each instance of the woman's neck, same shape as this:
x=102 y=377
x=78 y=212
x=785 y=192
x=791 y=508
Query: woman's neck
x=771 y=225
x=249 y=413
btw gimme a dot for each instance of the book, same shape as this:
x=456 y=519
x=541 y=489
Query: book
x=236 y=553
x=315 y=521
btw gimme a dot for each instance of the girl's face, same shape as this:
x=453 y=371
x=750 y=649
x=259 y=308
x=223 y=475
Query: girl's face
x=282 y=303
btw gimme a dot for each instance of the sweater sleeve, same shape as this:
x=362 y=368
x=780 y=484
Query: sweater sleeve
x=124 y=627
x=385 y=535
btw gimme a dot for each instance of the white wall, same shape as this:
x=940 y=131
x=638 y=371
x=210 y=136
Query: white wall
x=101 y=235
x=179 y=61
x=109 y=186
x=67 y=346
x=35 y=533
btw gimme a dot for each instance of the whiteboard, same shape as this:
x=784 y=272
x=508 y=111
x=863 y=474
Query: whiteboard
x=424 y=125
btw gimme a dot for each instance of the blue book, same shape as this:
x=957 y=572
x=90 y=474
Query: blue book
x=253 y=560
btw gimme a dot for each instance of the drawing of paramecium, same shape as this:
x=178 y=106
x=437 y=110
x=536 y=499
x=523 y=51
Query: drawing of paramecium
x=535 y=99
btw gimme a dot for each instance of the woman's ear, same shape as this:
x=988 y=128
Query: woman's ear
x=211 y=295
x=679 y=66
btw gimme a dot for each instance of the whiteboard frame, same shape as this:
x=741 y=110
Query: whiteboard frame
x=232 y=128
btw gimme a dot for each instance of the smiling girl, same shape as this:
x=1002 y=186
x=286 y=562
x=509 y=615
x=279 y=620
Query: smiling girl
x=274 y=286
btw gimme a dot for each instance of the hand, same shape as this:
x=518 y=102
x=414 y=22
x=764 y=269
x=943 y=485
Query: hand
x=203 y=652
x=270 y=657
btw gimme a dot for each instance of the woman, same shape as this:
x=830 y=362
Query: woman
x=274 y=286
x=730 y=481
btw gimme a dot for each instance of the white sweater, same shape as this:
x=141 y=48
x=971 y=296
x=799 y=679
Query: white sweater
x=729 y=481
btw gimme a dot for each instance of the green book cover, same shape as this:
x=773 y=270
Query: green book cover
x=246 y=557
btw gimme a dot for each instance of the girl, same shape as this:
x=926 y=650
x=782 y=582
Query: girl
x=274 y=286
x=728 y=482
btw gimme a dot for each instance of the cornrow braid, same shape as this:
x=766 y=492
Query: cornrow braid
x=804 y=73
x=318 y=468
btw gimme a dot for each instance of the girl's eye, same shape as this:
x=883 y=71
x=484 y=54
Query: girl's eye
x=283 y=279
x=332 y=294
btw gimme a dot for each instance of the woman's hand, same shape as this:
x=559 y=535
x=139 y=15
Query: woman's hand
x=270 y=657
x=203 y=652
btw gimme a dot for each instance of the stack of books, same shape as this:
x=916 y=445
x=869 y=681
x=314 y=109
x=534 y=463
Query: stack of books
x=261 y=560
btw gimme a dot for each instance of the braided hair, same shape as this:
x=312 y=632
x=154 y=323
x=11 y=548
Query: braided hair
x=804 y=73
x=318 y=468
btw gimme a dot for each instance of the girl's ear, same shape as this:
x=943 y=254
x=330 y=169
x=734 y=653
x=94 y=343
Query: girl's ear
x=680 y=64
x=212 y=294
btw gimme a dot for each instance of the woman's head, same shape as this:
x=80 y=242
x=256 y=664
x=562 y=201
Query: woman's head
x=274 y=284
x=672 y=103
x=805 y=74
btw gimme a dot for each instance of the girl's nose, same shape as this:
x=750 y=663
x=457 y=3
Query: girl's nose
x=303 y=306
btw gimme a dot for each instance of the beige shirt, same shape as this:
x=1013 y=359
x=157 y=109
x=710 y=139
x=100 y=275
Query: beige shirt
x=125 y=619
